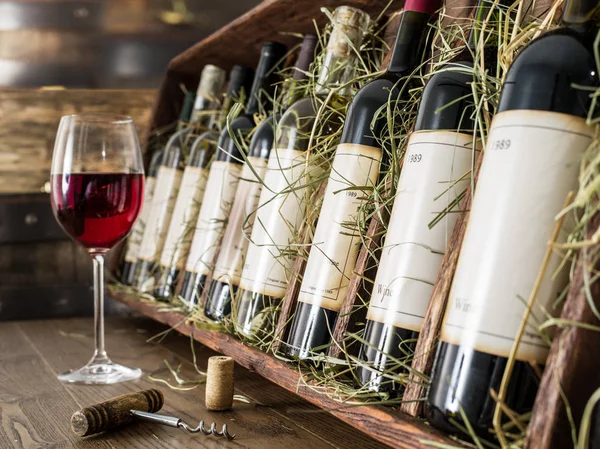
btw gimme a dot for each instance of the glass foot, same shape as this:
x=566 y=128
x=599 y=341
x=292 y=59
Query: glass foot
x=99 y=372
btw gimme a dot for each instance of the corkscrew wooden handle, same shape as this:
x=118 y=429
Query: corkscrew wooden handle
x=115 y=412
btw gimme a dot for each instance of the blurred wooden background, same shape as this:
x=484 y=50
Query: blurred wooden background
x=60 y=57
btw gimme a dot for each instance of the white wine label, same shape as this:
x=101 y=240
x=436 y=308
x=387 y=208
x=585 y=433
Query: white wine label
x=281 y=209
x=531 y=163
x=434 y=177
x=337 y=237
x=220 y=191
x=168 y=181
x=243 y=212
x=185 y=214
x=137 y=232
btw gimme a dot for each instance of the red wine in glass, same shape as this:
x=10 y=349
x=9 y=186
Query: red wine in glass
x=97 y=209
x=97 y=190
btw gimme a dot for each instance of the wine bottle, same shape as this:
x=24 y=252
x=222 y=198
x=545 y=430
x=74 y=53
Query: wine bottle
x=355 y=172
x=193 y=186
x=224 y=176
x=137 y=232
x=434 y=178
x=230 y=261
x=170 y=173
x=130 y=267
x=531 y=162
x=270 y=255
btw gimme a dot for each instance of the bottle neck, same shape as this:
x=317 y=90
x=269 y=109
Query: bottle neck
x=263 y=86
x=582 y=15
x=292 y=92
x=337 y=70
x=485 y=17
x=411 y=43
x=219 y=120
x=204 y=112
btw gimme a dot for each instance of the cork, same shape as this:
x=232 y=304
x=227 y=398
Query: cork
x=349 y=25
x=219 y=383
x=211 y=82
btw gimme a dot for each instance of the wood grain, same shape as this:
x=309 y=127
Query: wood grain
x=257 y=426
x=34 y=405
x=571 y=364
x=282 y=402
x=29 y=121
x=386 y=425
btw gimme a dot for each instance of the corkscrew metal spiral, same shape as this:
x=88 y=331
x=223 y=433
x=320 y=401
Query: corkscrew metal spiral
x=211 y=431
x=173 y=421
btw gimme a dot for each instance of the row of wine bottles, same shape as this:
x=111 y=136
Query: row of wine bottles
x=231 y=211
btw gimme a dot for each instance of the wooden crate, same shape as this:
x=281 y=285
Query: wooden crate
x=549 y=428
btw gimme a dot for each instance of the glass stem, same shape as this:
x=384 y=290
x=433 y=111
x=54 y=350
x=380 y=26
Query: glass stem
x=100 y=351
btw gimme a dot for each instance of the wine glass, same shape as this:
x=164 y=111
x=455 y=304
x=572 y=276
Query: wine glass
x=97 y=189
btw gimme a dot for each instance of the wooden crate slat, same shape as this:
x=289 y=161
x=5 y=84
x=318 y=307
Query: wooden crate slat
x=572 y=363
x=270 y=20
x=384 y=424
x=240 y=41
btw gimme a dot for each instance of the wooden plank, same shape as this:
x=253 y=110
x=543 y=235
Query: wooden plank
x=29 y=121
x=570 y=364
x=34 y=404
x=385 y=424
x=280 y=401
x=243 y=39
x=256 y=427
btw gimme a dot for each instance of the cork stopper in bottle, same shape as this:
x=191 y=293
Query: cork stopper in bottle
x=211 y=82
x=349 y=25
x=219 y=383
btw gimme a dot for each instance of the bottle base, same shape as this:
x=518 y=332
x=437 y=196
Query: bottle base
x=461 y=382
x=166 y=280
x=255 y=314
x=218 y=302
x=192 y=287
x=311 y=332
x=389 y=351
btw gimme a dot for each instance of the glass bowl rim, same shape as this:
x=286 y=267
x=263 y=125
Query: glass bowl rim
x=100 y=118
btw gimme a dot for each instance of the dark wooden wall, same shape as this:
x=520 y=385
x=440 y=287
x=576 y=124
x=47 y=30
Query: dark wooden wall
x=29 y=120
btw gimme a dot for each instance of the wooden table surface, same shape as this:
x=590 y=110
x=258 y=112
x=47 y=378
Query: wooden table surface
x=35 y=408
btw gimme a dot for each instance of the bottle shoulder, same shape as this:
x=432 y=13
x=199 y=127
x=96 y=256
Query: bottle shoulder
x=304 y=107
x=543 y=75
x=447 y=102
x=263 y=137
x=366 y=115
x=227 y=148
x=203 y=149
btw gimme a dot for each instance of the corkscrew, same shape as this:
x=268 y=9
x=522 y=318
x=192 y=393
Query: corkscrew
x=173 y=421
x=123 y=410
